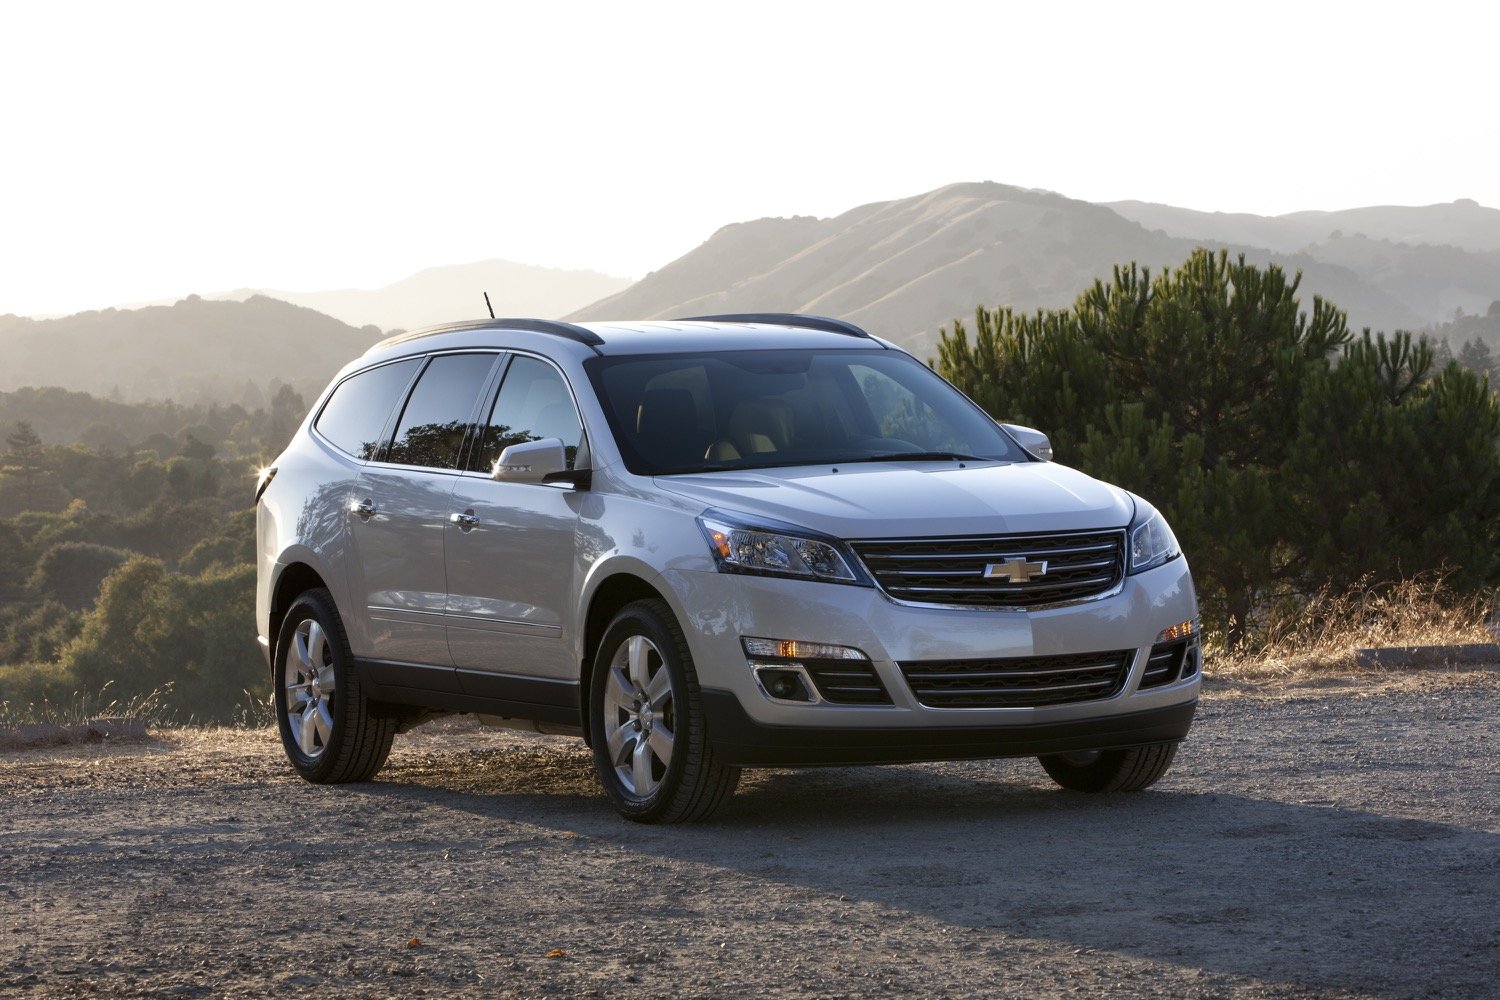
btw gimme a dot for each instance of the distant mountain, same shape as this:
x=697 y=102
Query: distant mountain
x=197 y=350
x=1465 y=224
x=1434 y=282
x=906 y=268
x=447 y=294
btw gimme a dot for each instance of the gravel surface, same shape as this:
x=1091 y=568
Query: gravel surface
x=1340 y=838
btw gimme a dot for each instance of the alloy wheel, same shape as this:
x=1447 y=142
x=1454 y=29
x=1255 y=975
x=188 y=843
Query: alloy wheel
x=639 y=716
x=309 y=679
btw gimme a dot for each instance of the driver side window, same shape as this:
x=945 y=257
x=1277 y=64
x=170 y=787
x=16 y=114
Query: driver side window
x=533 y=403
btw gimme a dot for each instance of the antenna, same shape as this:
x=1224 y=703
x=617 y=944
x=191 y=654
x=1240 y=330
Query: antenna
x=488 y=306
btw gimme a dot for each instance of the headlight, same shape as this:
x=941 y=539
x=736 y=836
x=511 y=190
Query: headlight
x=1151 y=541
x=760 y=550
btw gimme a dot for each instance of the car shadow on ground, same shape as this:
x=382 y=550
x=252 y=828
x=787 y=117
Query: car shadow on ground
x=1317 y=896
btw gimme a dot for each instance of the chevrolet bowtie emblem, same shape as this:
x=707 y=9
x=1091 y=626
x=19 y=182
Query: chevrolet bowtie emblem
x=1016 y=570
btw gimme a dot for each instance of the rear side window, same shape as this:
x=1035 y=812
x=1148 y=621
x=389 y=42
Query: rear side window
x=356 y=414
x=439 y=412
x=534 y=403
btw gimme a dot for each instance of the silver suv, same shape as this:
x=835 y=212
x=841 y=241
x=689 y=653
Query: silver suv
x=704 y=545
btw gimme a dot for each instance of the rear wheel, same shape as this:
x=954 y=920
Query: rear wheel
x=327 y=729
x=1110 y=770
x=650 y=747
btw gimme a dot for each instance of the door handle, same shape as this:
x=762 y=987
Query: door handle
x=365 y=509
x=465 y=521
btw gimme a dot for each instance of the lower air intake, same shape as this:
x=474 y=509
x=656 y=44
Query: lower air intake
x=1020 y=682
x=1170 y=661
x=847 y=682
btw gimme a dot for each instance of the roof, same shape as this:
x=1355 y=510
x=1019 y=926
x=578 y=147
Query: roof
x=747 y=332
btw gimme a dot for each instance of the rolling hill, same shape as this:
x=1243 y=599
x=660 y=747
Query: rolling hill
x=906 y=268
x=903 y=268
x=196 y=349
x=456 y=292
x=1433 y=281
x=1465 y=224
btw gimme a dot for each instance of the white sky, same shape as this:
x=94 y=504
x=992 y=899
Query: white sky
x=149 y=150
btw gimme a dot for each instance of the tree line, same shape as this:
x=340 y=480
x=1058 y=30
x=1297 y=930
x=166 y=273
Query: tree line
x=1476 y=337
x=127 y=549
x=1288 y=452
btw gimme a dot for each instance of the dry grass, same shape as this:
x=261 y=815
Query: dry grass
x=83 y=707
x=257 y=711
x=29 y=696
x=1319 y=635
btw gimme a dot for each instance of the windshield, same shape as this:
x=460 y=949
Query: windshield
x=758 y=409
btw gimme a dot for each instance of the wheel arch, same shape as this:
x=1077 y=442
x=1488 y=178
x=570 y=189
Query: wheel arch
x=613 y=593
x=296 y=579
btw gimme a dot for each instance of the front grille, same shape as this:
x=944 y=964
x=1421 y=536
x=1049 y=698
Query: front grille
x=1170 y=661
x=847 y=682
x=952 y=570
x=1019 y=682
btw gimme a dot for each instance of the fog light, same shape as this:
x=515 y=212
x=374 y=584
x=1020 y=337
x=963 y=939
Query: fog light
x=791 y=671
x=1191 y=662
x=785 y=683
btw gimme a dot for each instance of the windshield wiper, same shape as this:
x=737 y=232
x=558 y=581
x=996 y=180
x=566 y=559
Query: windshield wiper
x=923 y=456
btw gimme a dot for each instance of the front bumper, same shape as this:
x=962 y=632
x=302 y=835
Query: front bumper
x=717 y=609
x=740 y=741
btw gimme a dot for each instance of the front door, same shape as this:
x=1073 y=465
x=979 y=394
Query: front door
x=511 y=551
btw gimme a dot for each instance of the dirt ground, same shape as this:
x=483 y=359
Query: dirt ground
x=1339 y=838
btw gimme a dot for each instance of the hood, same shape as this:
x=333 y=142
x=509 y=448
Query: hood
x=898 y=499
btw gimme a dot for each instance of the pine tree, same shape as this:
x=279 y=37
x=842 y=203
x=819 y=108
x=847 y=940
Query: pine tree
x=25 y=446
x=287 y=411
x=1286 y=453
x=30 y=484
x=1476 y=356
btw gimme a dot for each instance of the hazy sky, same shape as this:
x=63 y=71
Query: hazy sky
x=151 y=150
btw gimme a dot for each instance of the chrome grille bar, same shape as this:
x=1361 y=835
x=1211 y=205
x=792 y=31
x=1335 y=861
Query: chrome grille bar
x=1017 y=682
x=1080 y=566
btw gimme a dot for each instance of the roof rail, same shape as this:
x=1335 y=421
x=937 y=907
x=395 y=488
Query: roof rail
x=824 y=323
x=555 y=327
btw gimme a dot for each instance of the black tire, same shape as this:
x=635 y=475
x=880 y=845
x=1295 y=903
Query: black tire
x=689 y=786
x=1110 y=770
x=346 y=741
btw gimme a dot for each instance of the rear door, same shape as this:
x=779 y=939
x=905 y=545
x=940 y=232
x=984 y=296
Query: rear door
x=399 y=509
x=356 y=420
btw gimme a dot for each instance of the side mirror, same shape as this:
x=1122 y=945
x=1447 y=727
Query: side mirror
x=531 y=462
x=1033 y=440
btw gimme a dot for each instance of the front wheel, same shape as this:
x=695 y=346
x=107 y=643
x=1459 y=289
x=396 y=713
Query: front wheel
x=1110 y=770
x=327 y=729
x=650 y=748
